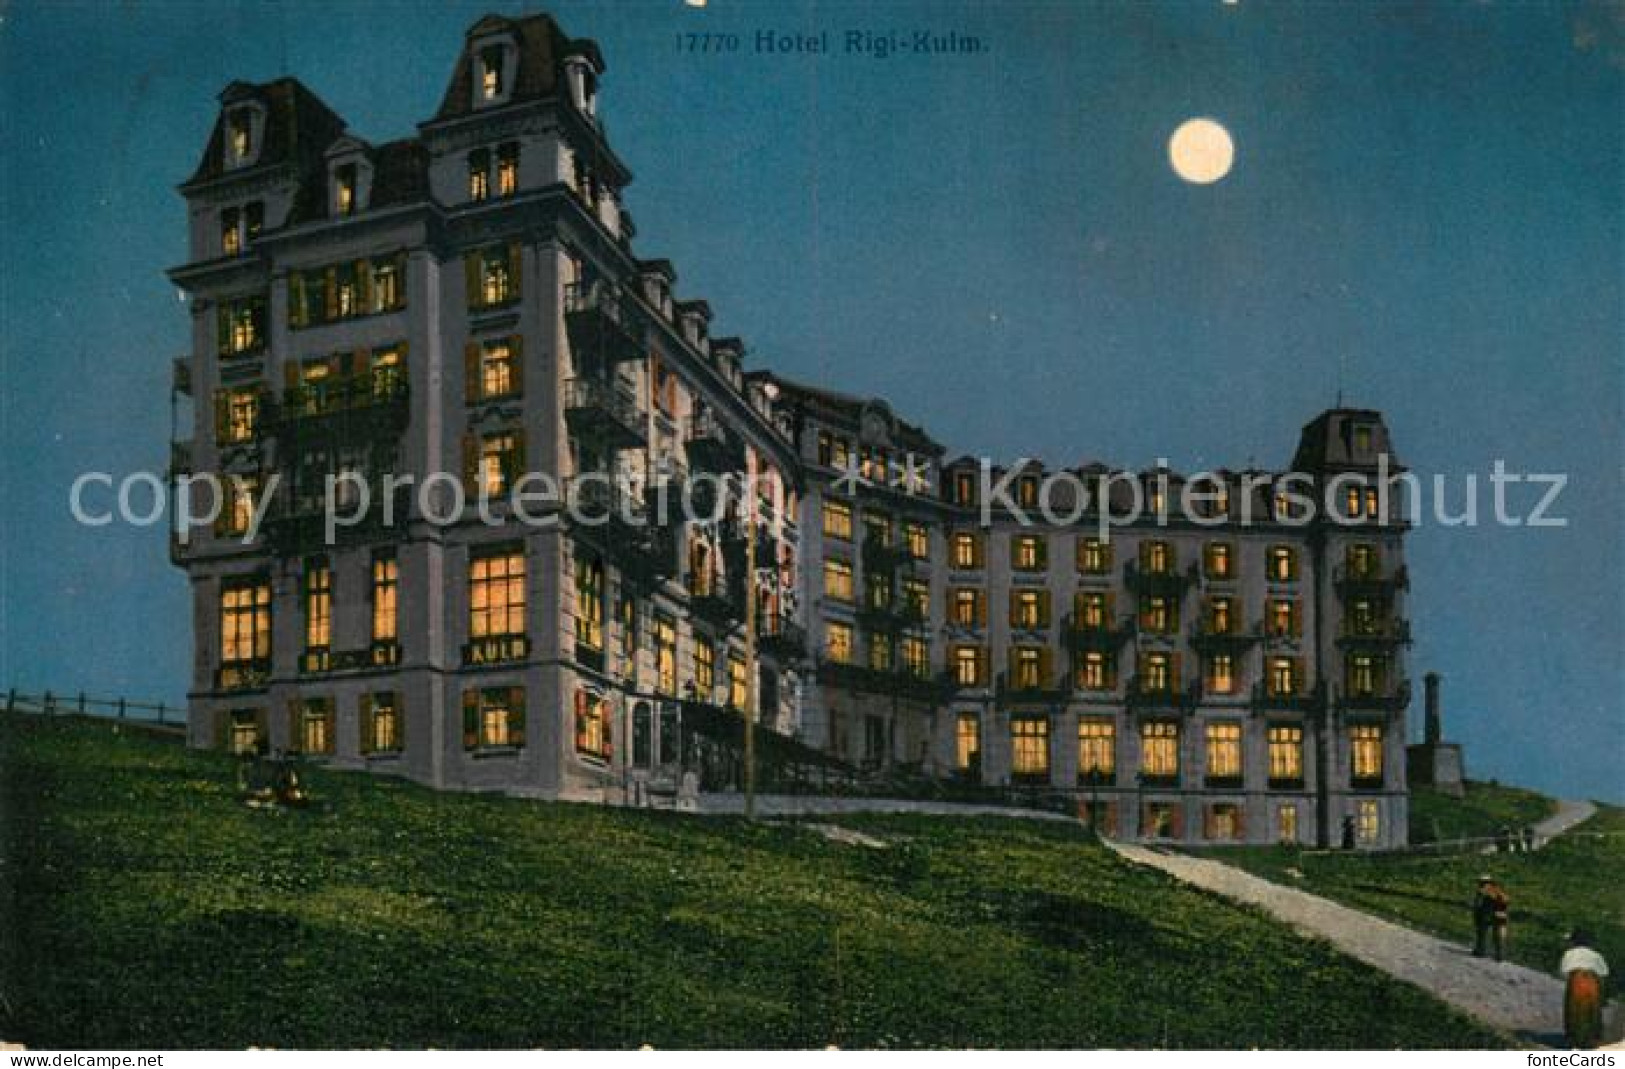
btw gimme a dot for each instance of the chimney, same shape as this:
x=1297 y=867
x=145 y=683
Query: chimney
x=1434 y=728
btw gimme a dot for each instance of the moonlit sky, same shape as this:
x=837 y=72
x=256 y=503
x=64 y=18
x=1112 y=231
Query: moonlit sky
x=1425 y=213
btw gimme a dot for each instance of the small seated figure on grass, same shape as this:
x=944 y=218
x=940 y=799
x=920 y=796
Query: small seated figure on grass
x=256 y=779
x=1584 y=972
x=289 y=791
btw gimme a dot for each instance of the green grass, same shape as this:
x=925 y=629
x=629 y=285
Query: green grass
x=1482 y=813
x=142 y=906
x=1575 y=880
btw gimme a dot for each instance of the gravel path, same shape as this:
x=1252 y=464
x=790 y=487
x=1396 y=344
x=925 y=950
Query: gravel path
x=1567 y=816
x=1509 y=997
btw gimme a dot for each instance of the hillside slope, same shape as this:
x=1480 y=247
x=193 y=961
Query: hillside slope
x=142 y=906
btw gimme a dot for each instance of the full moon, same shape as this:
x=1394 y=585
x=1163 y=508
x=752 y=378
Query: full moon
x=1201 y=151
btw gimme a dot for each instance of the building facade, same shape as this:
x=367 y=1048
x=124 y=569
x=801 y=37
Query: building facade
x=397 y=349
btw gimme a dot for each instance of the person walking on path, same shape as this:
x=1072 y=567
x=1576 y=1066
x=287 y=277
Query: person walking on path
x=1584 y=972
x=1491 y=910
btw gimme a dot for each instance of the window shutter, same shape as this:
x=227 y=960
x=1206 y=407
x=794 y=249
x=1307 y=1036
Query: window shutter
x=1208 y=822
x=1045 y=665
x=514 y=265
x=1241 y=822
x=296 y=299
x=222 y=415
x=1297 y=619
x=1111 y=609
x=364 y=718
x=607 y=711
x=330 y=293
x=471 y=719
x=516 y=716
x=337 y=365
x=290 y=374
x=1015 y=609
x=1177 y=823
x=471 y=371
x=1043 y=608
x=223 y=327
x=471 y=278
x=1043 y=553
x=399 y=699
x=471 y=465
x=363 y=280
x=1173 y=670
x=981 y=608
x=516 y=347
x=262 y=729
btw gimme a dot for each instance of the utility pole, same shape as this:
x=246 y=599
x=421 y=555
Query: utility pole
x=749 y=512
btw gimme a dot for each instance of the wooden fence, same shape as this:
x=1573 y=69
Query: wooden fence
x=49 y=703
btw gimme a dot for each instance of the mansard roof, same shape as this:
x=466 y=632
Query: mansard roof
x=543 y=47
x=400 y=175
x=298 y=126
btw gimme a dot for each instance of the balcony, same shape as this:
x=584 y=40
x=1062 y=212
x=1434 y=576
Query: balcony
x=1230 y=640
x=243 y=675
x=605 y=411
x=374 y=402
x=1143 y=695
x=894 y=682
x=1300 y=699
x=296 y=522
x=603 y=324
x=891 y=619
x=780 y=636
x=1171 y=583
x=881 y=556
x=1102 y=637
x=712 y=447
x=321 y=660
x=1387 y=632
x=1370 y=582
x=1388 y=696
x=1006 y=689
x=495 y=649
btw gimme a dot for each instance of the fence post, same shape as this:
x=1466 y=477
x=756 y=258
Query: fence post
x=49 y=704
x=121 y=708
x=11 y=700
x=160 y=712
x=81 y=703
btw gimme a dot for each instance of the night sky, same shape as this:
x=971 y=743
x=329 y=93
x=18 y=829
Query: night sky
x=1425 y=214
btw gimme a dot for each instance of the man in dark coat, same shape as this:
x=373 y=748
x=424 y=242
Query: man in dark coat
x=1490 y=914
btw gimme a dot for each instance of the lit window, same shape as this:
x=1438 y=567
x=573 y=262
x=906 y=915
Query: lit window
x=838 y=643
x=1097 y=749
x=1094 y=556
x=705 y=668
x=964 y=488
x=1285 y=742
x=1092 y=612
x=1283 y=614
x=242 y=135
x=1365 y=750
x=479 y=174
x=496 y=369
x=231 y=235
x=387 y=294
x=1029 y=609
x=917 y=599
x=665 y=642
x=381 y=722
x=838 y=579
x=918 y=539
x=594 y=725
x=1027 y=553
x=386 y=581
x=1224 y=822
x=1368 y=821
x=1096 y=671
x=1224 y=751
x=970 y=666
x=1029 y=747
x=245 y=621
x=244 y=736
x=589 y=603
x=1159 y=749
x=1159 y=614
x=316 y=726
x=1362 y=560
x=1283 y=564
x=493 y=276
x=496 y=595
x=344 y=190
x=1157 y=558
x=880 y=652
x=968 y=742
x=967 y=553
x=491 y=72
x=242 y=325
x=1286 y=825
x=1362 y=439
x=738 y=682
x=916 y=656
x=498 y=462
x=1029 y=667
x=877 y=528
x=238 y=516
x=967 y=607
x=1219 y=560
x=507 y=170
x=837 y=519
x=1221 y=674
x=239 y=414
x=1219 y=616
x=494 y=717
x=1283 y=677
x=1363 y=675
x=318 y=605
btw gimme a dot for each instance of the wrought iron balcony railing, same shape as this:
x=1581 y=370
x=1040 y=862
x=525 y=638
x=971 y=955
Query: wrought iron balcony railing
x=603 y=323
x=605 y=411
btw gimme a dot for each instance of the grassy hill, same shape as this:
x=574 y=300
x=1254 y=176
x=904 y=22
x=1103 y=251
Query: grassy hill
x=1575 y=880
x=142 y=906
x=1482 y=813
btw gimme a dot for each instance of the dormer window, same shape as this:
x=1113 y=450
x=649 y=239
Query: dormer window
x=491 y=87
x=479 y=174
x=1362 y=438
x=508 y=169
x=242 y=135
x=231 y=235
x=344 y=189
